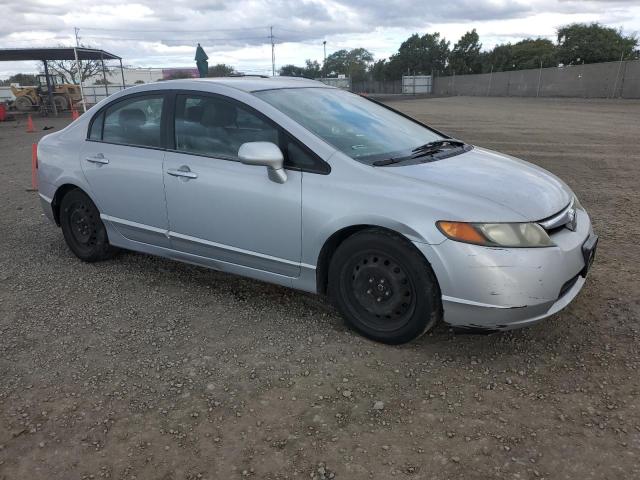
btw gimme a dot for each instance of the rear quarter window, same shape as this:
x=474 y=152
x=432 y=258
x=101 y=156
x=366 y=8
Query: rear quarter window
x=95 y=133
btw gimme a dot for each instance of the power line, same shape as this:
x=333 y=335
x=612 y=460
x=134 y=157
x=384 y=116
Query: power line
x=190 y=39
x=163 y=30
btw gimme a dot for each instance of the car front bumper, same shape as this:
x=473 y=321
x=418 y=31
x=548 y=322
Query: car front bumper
x=486 y=288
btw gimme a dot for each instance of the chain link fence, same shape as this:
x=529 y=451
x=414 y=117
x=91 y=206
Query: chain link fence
x=595 y=80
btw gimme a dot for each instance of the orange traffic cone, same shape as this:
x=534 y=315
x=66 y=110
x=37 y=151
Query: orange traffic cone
x=30 y=128
x=74 y=114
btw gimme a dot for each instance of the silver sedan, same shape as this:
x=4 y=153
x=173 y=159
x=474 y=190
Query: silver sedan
x=292 y=182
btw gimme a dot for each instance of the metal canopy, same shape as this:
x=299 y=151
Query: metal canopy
x=76 y=54
x=58 y=53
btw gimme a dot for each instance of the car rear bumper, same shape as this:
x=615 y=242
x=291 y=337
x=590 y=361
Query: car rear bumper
x=47 y=208
x=486 y=288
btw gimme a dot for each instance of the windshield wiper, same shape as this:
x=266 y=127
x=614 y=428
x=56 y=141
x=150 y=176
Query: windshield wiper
x=421 y=151
x=437 y=145
x=389 y=161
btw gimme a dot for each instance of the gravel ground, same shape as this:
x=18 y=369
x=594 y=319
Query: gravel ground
x=144 y=368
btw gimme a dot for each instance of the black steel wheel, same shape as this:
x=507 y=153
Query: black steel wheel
x=384 y=287
x=83 y=229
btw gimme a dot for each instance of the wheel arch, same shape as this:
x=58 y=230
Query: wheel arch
x=334 y=241
x=61 y=191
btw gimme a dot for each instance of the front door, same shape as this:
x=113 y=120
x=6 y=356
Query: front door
x=220 y=208
x=122 y=162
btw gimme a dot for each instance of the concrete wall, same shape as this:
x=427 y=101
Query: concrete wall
x=596 y=80
x=374 y=86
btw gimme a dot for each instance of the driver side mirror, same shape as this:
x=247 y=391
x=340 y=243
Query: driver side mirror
x=266 y=154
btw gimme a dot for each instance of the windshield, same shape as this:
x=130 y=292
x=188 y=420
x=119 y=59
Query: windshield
x=354 y=125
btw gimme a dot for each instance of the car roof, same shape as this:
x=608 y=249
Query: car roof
x=254 y=84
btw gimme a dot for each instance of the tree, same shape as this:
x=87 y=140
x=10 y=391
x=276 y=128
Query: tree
x=21 y=79
x=310 y=70
x=529 y=53
x=424 y=54
x=582 y=43
x=465 y=57
x=352 y=63
x=379 y=70
x=68 y=69
x=221 y=70
x=291 y=71
x=499 y=59
x=180 y=74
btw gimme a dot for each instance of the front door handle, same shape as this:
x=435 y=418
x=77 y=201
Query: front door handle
x=183 y=171
x=98 y=158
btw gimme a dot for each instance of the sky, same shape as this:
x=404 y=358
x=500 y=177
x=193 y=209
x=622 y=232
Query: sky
x=154 y=33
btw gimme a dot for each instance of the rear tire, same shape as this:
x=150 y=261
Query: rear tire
x=83 y=229
x=61 y=103
x=383 y=287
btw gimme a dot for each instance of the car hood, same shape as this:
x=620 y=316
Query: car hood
x=514 y=184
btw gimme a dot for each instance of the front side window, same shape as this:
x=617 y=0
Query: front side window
x=359 y=128
x=135 y=121
x=211 y=126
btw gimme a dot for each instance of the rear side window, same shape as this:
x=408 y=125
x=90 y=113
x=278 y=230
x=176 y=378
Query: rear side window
x=135 y=121
x=215 y=127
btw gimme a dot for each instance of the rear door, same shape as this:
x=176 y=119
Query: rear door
x=122 y=162
x=219 y=208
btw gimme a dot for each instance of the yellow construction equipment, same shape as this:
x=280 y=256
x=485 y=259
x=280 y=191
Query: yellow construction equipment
x=28 y=98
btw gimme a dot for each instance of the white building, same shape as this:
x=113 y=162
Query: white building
x=134 y=75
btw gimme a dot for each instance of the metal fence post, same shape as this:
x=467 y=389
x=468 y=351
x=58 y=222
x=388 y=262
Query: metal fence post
x=539 y=80
x=624 y=71
x=490 y=78
x=615 y=84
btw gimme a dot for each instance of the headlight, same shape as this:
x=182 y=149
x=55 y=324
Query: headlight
x=497 y=234
x=577 y=204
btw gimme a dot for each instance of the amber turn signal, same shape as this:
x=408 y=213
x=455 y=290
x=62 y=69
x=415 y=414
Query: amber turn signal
x=462 y=232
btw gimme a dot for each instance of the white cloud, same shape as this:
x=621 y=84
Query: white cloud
x=164 y=34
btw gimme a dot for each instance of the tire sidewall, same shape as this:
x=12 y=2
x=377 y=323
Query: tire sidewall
x=427 y=308
x=101 y=248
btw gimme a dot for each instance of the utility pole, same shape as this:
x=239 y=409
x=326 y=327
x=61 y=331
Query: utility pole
x=273 y=53
x=324 y=63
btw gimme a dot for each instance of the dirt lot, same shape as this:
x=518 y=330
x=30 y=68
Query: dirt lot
x=143 y=368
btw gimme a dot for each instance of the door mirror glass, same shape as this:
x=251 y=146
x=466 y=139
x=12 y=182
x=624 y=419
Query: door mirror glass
x=266 y=154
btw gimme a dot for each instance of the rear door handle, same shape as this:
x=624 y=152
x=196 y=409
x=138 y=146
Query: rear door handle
x=98 y=158
x=182 y=172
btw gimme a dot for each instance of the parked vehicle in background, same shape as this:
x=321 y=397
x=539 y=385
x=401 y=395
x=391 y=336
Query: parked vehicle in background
x=28 y=98
x=307 y=186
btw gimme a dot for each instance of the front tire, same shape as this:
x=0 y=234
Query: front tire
x=23 y=104
x=383 y=287
x=83 y=229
